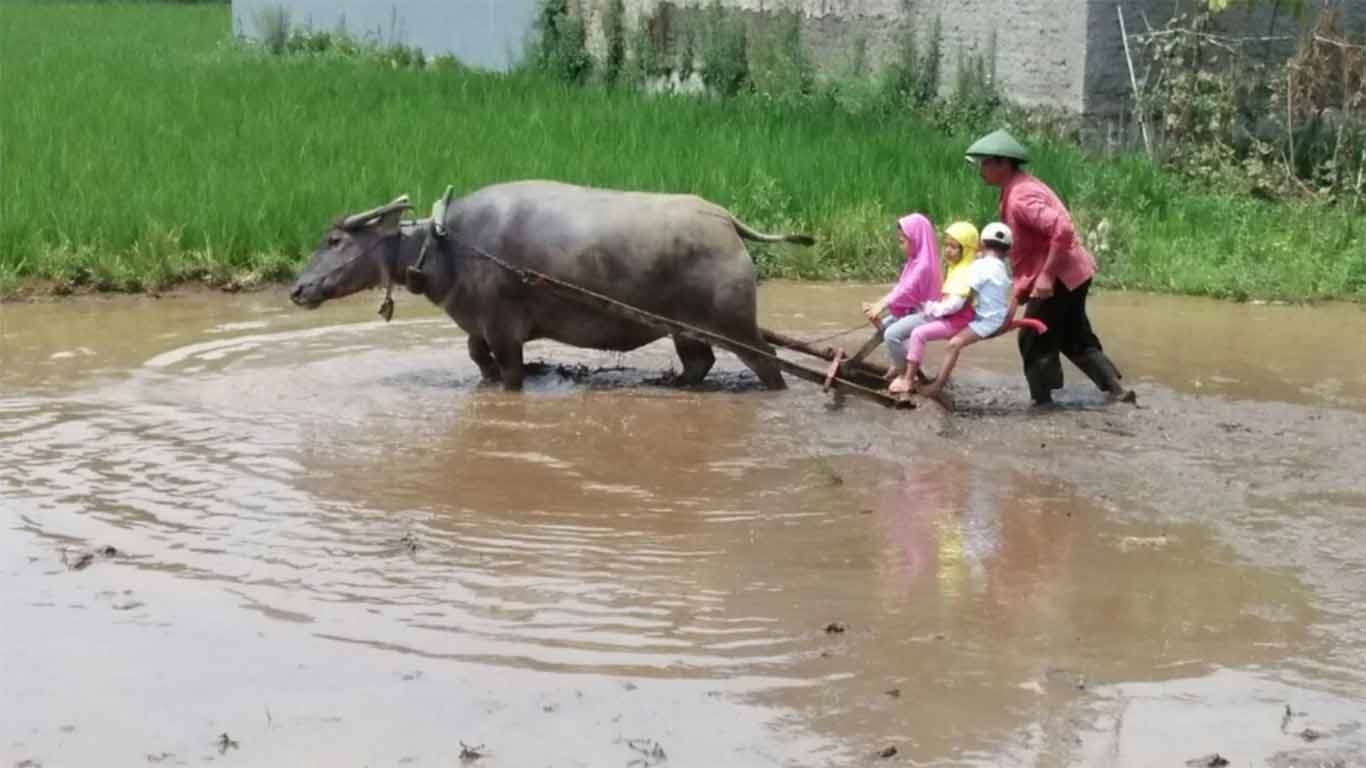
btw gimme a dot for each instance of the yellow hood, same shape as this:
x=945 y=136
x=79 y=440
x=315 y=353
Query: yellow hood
x=966 y=235
x=956 y=281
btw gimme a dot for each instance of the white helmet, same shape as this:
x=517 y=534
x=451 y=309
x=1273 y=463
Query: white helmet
x=997 y=233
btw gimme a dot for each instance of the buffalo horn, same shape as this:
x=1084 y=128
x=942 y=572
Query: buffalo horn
x=399 y=203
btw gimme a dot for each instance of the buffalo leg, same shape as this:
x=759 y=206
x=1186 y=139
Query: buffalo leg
x=483 y=357
x=765 y=368
x=509 y=356
x=697 y=360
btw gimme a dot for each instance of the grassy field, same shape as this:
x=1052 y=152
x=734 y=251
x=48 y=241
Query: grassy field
x=140 y=147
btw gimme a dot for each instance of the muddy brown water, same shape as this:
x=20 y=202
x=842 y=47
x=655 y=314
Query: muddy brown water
x=331 y=545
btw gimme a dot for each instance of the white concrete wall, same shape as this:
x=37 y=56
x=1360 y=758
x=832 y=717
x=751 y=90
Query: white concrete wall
x=490 y=34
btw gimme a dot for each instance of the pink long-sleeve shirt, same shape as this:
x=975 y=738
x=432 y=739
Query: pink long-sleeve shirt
x=1041 y=224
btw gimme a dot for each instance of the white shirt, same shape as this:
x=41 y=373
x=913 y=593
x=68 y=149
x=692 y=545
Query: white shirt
x=990 y=281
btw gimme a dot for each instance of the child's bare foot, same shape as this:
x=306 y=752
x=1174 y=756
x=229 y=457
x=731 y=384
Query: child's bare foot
x=892 y=374
x=901 y=385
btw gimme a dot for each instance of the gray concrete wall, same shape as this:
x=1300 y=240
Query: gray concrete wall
x=1057 y=53
x=489 y=34
x=1106 y=83
x=1040 y=44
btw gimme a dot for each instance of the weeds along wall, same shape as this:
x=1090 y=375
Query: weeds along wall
x=1038 y=46
x=1066 y=54
x=1269 y=30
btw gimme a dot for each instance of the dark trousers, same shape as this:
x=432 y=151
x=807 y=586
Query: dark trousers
x=1069 y=333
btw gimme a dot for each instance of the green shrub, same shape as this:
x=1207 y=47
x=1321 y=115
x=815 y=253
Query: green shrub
x=560 y=43
x=644 y=61
x=614 y=30
x=911 y=78
x=725 y=54
x=780 y=69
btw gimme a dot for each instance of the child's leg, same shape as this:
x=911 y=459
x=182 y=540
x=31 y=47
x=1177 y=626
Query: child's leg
x=934 y=330
x=964 y=338
x=894 y=332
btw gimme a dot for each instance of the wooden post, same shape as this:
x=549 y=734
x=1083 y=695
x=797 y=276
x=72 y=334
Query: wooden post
x=1290 y=166
x=1133 y=82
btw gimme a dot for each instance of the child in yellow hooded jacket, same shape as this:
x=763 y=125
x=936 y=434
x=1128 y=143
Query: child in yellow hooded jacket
x=961 y=237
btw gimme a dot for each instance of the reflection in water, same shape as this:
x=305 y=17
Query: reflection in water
x=1003 y=598
x=946 y=519
x=317 y=523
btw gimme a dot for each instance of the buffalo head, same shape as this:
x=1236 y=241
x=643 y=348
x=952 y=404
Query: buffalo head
x=351 y=256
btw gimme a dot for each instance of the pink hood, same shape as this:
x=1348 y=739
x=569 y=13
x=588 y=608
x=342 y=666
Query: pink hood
x=920 y=280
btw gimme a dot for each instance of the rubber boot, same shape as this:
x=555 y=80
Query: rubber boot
x=1043 y=377
x=1097 y=367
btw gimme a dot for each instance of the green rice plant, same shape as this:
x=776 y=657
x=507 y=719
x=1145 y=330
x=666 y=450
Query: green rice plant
x=142 y=148
x=10 y=279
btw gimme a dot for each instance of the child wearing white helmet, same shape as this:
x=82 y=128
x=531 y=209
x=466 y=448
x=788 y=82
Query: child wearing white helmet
x=989 y=281
x=997 y=233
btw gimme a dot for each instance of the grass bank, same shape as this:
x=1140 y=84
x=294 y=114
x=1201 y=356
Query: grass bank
x=140 y=147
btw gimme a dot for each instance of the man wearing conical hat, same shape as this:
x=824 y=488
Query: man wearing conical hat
x=1052 y=270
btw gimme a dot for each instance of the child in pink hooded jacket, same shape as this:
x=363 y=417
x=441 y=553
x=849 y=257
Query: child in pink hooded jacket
x=920 y=283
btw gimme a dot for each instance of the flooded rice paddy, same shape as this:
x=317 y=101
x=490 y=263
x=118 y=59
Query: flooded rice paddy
x=239 y=533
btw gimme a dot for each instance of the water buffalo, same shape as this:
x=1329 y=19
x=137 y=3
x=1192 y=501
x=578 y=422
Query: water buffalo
x=678 y=256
